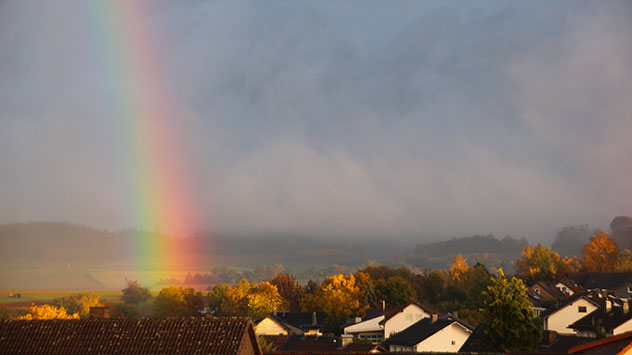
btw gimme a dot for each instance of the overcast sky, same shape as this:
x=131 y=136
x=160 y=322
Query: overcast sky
x=425 y=119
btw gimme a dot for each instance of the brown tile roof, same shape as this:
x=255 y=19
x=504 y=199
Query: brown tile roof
x=127 y=336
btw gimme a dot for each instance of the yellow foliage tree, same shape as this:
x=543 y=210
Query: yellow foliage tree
x=339 y=297
x=541 y=263
x=458 y=267
x=601 y=253
x=263 y=299
x=48 y=312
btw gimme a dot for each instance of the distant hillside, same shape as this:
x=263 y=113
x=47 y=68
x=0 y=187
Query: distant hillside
x=487 y=250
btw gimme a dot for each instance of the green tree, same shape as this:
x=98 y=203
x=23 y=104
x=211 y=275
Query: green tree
x=135 y=294
x=429 y=286
x=395 y=291
x=5 y=313
x=511 y=323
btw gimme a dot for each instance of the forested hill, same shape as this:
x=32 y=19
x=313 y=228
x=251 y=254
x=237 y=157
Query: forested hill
x=473 y=244
x=488 y=250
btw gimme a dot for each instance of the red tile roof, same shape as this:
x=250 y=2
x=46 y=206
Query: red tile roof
x=600 y=342
x=137 y=336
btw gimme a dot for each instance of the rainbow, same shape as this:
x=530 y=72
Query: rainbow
x=146 y=118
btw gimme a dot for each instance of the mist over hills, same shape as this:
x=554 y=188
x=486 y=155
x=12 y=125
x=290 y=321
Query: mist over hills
x=45 y=252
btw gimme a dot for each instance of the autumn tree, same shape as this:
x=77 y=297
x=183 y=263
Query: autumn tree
x=48 y=312
x=458 y=267
x=540 y=263
x=178 y=302
x=135 y=294
x=289 y=290
x=508 y=314
x=339 y=297
x=263 y=299
x=601 y=253
x=80 y=303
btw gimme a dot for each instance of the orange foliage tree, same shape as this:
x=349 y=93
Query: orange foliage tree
x=601 y=253
x=458 y=267
x=48 y=312
x=339 y=297
x=540 y=263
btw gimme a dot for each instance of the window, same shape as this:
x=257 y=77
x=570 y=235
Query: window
x=537 y=290
x=581 y=309
x=453 y=342
x=629 y=289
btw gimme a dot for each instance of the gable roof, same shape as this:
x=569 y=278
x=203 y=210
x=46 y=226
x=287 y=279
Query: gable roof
x=422 y=330
x=609 y=320
x=587 y=296
x=139 y=336
x=601 y=342
x=300 y=320
x=550 y=289
x=600 y=280
x=393 y=311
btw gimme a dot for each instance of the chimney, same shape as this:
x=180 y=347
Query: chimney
x=383 y=305
x=314 y=320
x=433 y=318
x=345 y=339
x=455 y=314
x=358 y=319
x=274 y=312
x=99 y=313
x=625 y=307
x=607 y=306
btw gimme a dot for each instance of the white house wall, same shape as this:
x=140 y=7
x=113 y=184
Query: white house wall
x=404 y=319
x=625 y=327
x=441 y=341
x=269 y=327
x=369 y=325
x=560 y=320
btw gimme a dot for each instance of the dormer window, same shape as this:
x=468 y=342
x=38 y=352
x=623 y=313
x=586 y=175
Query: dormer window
x=629 y=289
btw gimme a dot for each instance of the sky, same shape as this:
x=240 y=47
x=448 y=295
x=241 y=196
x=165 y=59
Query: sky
x=362 y=118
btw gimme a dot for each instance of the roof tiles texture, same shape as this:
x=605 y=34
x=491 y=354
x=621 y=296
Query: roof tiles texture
x=124 y=336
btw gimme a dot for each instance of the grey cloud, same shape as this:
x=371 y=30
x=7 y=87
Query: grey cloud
x=407 y=120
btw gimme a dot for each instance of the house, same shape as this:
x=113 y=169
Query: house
x=616 y=345
x=542 y=295
x=220 y=336
x=445 y=334
x=291 y=323
x=614 y=318
x=378 y=328
x=567 y=286
x=560 y=316
x=618 y=283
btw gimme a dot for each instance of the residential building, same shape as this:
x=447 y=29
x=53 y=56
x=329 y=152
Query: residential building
x=560 y=316
x=616 y=345
x=445 y=334
x=613 y=318
x=291 y=323
x=379 y=327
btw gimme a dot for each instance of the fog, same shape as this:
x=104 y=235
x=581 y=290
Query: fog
x=358 y=119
